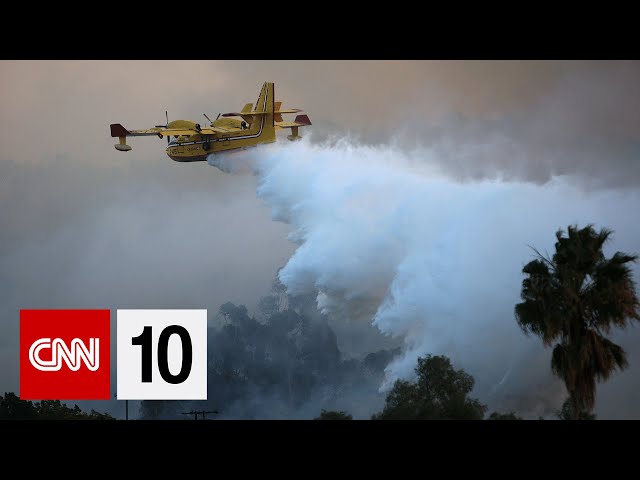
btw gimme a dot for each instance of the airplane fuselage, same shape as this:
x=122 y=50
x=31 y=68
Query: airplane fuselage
x=196 y=148
x=237 y=135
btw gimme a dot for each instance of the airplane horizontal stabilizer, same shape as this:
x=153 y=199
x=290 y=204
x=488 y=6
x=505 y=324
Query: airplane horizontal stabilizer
x=300 y=121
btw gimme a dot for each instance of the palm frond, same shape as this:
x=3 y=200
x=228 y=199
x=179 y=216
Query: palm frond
x=546 y=259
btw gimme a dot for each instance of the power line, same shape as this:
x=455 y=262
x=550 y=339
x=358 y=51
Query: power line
x=201 y=412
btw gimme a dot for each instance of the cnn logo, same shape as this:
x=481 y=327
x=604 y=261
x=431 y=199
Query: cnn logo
x=71 y=356
x=61 y=356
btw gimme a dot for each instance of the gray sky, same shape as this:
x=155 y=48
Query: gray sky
x=85 y=226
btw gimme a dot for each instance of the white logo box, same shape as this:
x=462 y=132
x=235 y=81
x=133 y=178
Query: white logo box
x=180 y=326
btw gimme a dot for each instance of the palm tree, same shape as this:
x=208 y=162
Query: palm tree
x=576 y=298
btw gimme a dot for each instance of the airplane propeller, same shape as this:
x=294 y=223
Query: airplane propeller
x=166 y=114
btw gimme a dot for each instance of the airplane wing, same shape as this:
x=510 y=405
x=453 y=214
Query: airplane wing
x=118 y=130
x=237 y=114
x=247 y=114
x=176 y=132
x=214 y=130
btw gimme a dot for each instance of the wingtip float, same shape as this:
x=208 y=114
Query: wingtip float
x=188 y=141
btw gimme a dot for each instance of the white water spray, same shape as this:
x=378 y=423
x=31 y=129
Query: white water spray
x=382 y=237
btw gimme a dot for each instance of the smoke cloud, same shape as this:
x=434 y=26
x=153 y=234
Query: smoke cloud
x=385 y=237
x=517 y=120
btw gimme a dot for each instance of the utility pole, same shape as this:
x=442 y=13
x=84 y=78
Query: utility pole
x=201 y=412
x=126 y=406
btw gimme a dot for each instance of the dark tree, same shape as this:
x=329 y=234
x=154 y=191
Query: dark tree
x=504 y=416
x=567 y=412
x=281 y=363
x=575 y=299
x=333 y=415
x=12 y=408
x=273 y=366
x=439 y=393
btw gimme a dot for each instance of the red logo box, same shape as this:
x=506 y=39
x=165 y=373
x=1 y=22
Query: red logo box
x=64 y=354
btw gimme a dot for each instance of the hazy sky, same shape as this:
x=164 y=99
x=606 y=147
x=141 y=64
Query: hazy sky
x=85 y=226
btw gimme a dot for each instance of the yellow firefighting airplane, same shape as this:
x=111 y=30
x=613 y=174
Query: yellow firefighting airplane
x=192 y=143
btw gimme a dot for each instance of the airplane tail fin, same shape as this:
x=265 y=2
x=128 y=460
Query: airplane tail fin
x=265 y=106
x=267 y=116
x=260 y=117
x=265 y=101
x=277 y=116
